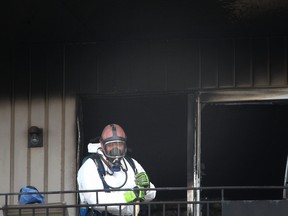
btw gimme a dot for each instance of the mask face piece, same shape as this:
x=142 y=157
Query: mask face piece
x=116 y=152
x=115 y=149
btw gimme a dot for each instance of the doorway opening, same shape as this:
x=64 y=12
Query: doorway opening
x=244 y=144
x=156 y=129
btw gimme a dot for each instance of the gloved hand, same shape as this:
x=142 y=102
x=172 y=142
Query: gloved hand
x=134 y=195
x=142 y=180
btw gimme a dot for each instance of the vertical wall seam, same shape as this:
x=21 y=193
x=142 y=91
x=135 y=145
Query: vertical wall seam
x=165 y=65
x=217 y=69
x=234 y=64
x=286 y=59
x=63 y=125
x=251 y=64
x=46 y=131
x=268 y=62
x=12 y=140
x=98 y=72
x=200 y=66
x=29 y=115
x=130 y=67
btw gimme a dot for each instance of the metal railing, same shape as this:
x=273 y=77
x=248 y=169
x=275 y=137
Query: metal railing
x=210 y=203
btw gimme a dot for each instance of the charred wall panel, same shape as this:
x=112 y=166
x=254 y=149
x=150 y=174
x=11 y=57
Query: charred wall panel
x=260 y=63
x=158 y=65
x=243 y=69
x=37 y=113
x=278 y=61
x=81 y=67
x=226 y=63
x=115 y=67
x=21 y=72
x=53 y=119
x=20 y=115
x=55 y=68
x=183 y=65
x=176 y=65
x=148 y=66
x=38 y=70
x=209 y=63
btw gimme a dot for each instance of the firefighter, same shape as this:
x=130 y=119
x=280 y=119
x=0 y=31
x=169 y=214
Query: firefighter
x=110 y=168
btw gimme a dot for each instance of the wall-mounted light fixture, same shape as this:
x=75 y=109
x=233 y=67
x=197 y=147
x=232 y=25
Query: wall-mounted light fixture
x=35 y=137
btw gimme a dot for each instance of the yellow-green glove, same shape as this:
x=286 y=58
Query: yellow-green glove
x=134 y=195
x=142 y=180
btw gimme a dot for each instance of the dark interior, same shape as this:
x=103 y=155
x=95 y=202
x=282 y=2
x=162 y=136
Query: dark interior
x=245 y=145
x=156 y=128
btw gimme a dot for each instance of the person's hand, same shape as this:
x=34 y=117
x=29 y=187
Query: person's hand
x=133 y=195
x=142 y=180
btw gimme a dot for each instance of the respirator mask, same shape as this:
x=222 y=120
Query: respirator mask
x=114 y=151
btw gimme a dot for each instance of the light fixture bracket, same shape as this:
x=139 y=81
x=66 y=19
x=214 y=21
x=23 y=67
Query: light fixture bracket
x=35 y=137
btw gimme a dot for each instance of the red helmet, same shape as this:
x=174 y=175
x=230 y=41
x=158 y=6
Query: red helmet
x=113 y=141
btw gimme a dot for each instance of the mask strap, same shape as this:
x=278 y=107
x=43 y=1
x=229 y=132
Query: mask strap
x=114 y=136
x=114 y=133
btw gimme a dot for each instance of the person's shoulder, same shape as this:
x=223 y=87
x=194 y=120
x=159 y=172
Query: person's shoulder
x=90 y=156
x=87 y=164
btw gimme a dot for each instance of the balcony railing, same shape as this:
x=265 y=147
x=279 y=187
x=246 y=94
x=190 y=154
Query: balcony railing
x=211 y=202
